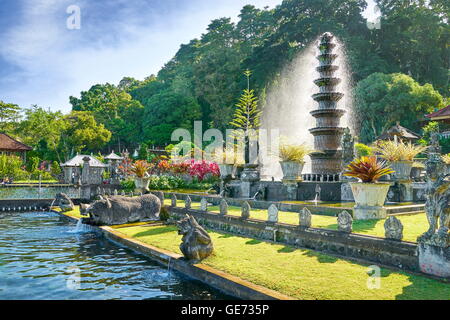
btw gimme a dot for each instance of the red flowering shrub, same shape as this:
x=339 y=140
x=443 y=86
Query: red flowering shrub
x=200 y=169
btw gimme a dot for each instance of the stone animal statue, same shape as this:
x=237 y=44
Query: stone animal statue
x=437 y=206
x=120 y=210
x=196 y=243
x=63 y=201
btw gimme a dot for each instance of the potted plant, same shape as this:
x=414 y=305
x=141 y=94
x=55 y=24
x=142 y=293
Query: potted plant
x=140 y=170
x=226 y=160
x=292 y=160
x=400 y=156
x=417 y=169
x=369 y=194
x=446 y=159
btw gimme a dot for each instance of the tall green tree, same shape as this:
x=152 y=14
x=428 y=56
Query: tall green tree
x=384 y=99
x=9 y=114
x=247 y=115
x=114 y=108
x=83 y=133
x=165 y=112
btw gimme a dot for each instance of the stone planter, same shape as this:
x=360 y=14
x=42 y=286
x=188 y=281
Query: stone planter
x=447 y=166
x=292 y=170
x=226 y=170
x=415 y=172
x=238 y=171
x=142 y=183
x=402 y=169
x=369 y=198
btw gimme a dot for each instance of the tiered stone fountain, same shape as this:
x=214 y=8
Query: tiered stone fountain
x=328 y=158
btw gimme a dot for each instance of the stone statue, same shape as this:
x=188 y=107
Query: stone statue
x=160 y=196
x=393 y=228
x=437 y=208
x=187 y=202
x=345 y=222
x=63 y=201
x=348 y=146
x=261 y=194
x=173 y=200
x=435 y=147
x=204 y=204
x=305 y=218
x=245 y=210
x=196 y=243
x=120 y=210
x=223 y=207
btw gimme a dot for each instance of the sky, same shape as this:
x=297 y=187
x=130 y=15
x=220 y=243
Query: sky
x=47 y=54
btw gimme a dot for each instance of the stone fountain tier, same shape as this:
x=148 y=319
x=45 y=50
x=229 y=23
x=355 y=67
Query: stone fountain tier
x=328 y=96
x=327 y=138
x=327 y=59
x=327 y=117
x=326 y=47
x=327 y=71
x=327 y=84
x=327 y=162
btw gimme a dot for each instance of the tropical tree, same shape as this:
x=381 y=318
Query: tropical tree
x=384 y=99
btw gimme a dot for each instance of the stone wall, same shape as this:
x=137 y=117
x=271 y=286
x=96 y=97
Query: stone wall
x=292 y=207
x=34 y=192
x=381 y=251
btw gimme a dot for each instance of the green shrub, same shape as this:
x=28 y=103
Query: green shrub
x=164 y=214
x=166 y=183
x=11 y=167
x=363 y=150
x=55 y=169
x=128 y=185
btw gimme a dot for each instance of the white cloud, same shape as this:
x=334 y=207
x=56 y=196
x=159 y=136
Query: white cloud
x=56 y=63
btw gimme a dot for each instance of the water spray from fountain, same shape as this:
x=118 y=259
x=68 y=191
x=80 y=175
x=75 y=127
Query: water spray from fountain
x=289 y=103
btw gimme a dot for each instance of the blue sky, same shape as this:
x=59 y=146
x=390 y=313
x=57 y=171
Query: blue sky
x=43 y=62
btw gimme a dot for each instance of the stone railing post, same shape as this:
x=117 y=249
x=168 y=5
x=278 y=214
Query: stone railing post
x=245 y=210
x=173 y=200
x=203 y=204
x=187 y=202
x=272 y=214
x=345 y=222
x=393 y=229
x=223 y=207
x=304 y=218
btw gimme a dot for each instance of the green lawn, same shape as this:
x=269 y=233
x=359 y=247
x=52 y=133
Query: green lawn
x=302 y=274
x=413 y=225
x=35 y=181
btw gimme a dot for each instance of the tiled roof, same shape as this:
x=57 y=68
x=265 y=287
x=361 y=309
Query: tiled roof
x=444 y=112
x=12 y=145
x=113 y=156
x=400 y=131
x=78 y=161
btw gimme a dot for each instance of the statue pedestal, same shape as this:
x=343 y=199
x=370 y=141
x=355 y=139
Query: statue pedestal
x=434 y=260
x=249 y=176
x=367 y=213
x=291 y=189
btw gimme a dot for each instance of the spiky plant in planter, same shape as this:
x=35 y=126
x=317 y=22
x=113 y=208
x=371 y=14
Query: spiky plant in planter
x=368 y=169
x=400 y=156
x=292 y=159
x=369 y=194
x=140 y=170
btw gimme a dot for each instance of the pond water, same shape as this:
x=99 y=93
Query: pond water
x=42 y=256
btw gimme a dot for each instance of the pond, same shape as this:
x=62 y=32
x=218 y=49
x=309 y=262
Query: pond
x=43 y=256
